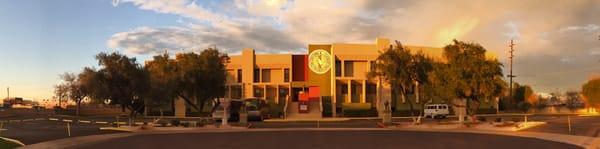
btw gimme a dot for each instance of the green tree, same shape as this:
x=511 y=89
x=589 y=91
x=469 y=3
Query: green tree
x=591 y=92
x=401 y=69
x=201 y=77
x=71 y=88
x=121 y=81
x=524 y=93
x=163 y=81
x=477 y=78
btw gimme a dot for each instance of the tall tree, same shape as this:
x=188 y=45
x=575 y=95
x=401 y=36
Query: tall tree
x=477 y=78
x=75 y=88
x=122 y=81
x=162 y=79
x=402 y=69
x=201 y=77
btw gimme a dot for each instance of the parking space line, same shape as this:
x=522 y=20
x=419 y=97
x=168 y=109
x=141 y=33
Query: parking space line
x=26 y=120
x=139 y=123
x=85 y=121
x=39 y=119
x=66 y=120
x=101 y=122
x=53 y=119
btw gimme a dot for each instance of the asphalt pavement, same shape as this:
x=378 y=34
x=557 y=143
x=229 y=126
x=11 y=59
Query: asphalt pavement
x=326 y=139
x=30 y=132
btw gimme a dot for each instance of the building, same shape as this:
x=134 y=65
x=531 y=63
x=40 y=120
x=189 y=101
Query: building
x=334 y=76
x=330 y=80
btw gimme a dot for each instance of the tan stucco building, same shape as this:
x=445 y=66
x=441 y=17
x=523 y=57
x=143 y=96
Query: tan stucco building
x=333 y=72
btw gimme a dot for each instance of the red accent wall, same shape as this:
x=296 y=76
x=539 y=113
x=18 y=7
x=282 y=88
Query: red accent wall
x=300 y=67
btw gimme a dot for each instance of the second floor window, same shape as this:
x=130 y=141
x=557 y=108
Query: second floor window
x=239 y=76
x=256 y=75
x=338 y=68
x=286 y=75
x=348 y=69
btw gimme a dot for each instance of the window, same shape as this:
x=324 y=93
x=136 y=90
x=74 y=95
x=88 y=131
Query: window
x=348 y=69
x=338 y=68
x=345 y=89
x=256 y=75
x=286 y=75
x=258 y=92
x=266 y=75
x=239 y=76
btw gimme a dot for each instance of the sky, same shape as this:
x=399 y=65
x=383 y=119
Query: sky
x=557 y=41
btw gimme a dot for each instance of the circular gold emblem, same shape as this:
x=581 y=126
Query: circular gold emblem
x=319 y=61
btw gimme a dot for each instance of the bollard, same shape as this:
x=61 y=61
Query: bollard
x=525 y=120
x=68 y=129
x=569 y=122
x=1 y=126
x=117 y=121
x=318 y=124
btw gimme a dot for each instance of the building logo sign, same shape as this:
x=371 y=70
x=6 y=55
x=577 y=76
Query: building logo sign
x=319 y=61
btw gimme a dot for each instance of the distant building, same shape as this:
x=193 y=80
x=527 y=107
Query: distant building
x=18 y=102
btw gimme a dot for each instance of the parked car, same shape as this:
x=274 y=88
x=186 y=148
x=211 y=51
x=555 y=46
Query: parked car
x=233 y=111
x=436 y=110
x=257 y=109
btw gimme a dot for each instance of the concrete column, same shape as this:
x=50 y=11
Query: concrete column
x=416 y=92
x=229 y=91
x=378 y=94
x=342 y=66
x=349 y=98
x=277 y=94
x=364 y=92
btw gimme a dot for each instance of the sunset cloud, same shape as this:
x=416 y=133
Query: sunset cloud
x=546 y=32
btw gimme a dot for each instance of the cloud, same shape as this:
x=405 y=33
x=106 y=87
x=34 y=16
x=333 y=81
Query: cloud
x=588 y=28
x=546 y=32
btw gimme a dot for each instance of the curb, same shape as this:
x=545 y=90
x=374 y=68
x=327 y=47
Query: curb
x=13 y=141
x=308 y=120
x=116 y=129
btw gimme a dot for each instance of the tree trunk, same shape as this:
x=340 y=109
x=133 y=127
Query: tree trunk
x=410 y=105
x=201 y=108
x=189 y=102
x=215 y=106
x=77 y=108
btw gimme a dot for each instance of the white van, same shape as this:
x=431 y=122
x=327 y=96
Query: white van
x=436 y=110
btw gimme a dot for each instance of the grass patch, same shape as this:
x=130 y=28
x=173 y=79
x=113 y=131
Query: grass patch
x=8 y=144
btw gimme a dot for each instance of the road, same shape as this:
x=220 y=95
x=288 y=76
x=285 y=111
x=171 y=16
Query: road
x=326 y=139
x=582 y=126
x=30 y=132
x=38 y=131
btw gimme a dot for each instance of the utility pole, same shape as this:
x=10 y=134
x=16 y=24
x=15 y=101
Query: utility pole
x=511 y=76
